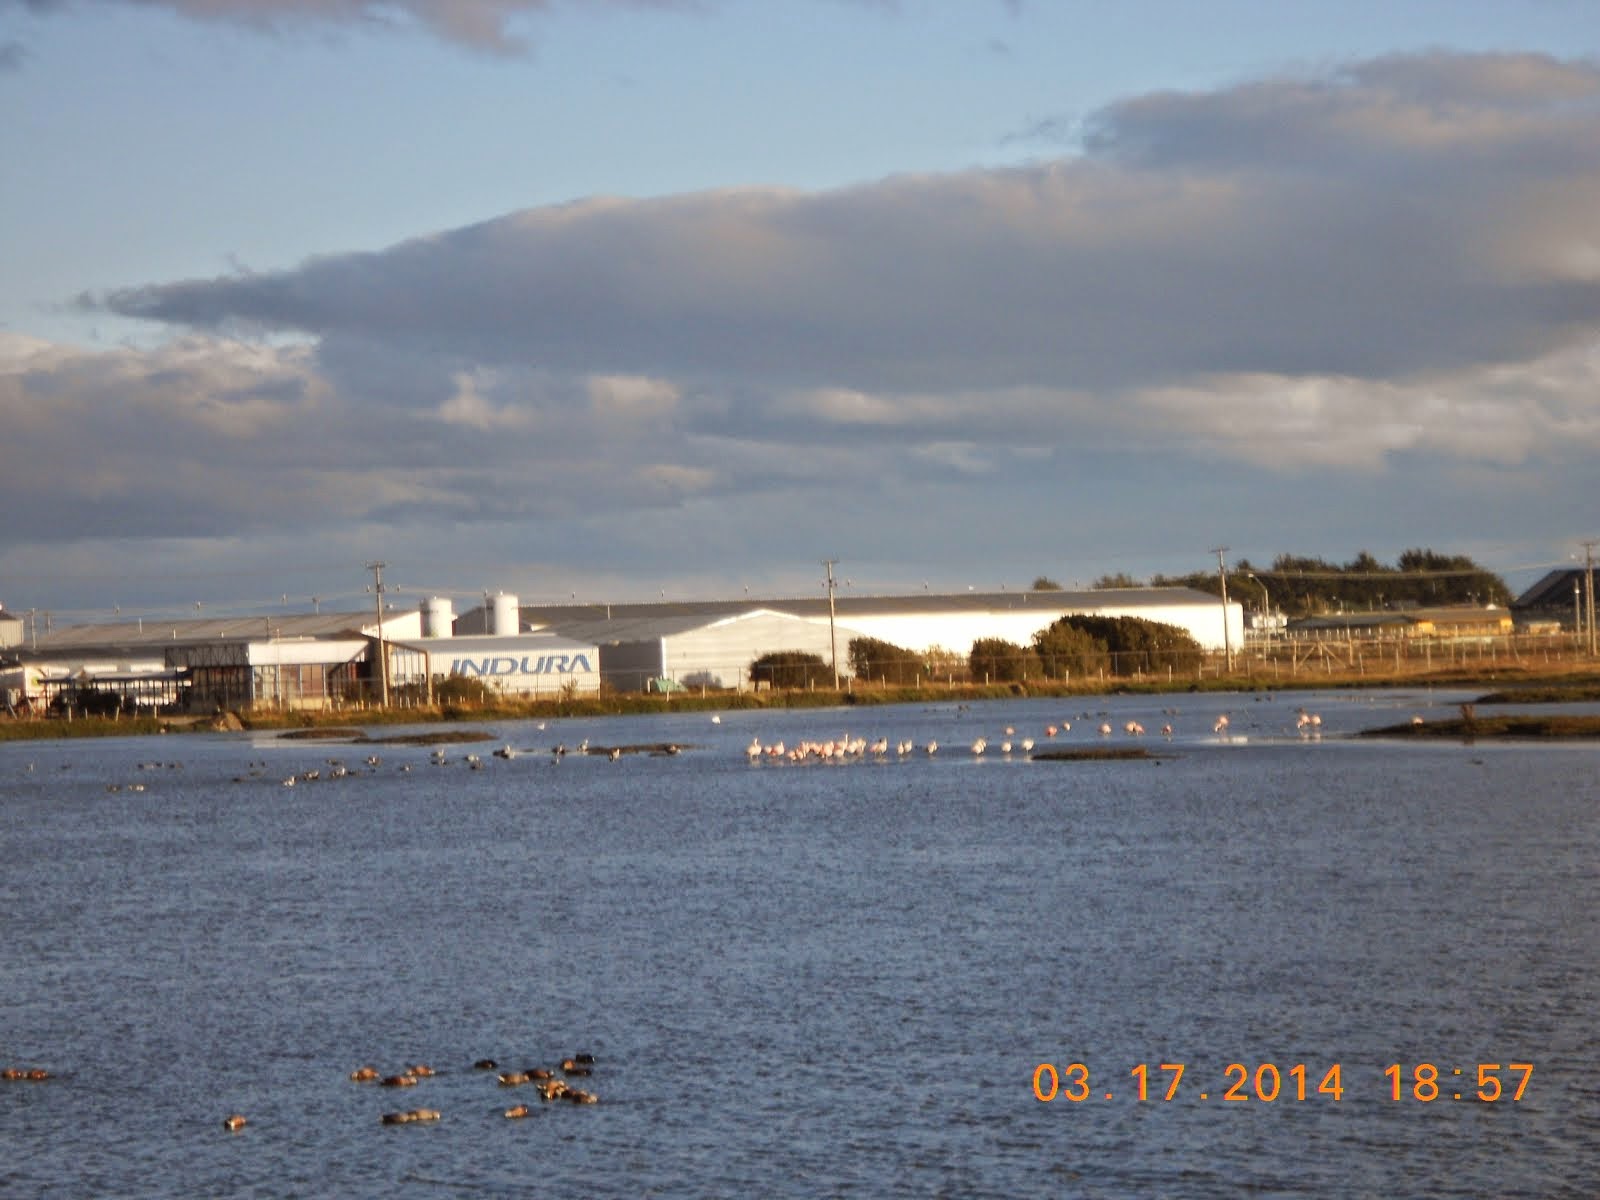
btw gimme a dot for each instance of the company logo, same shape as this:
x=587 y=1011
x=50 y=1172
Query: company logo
x=528 y=664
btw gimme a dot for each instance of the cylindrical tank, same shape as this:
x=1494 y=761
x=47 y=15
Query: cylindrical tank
x=504 y=618
x=438 y=617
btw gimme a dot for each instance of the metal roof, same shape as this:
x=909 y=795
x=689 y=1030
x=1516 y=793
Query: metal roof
x=595 y=616
x=628 y=628
x=150 y=634
x=1554 y=590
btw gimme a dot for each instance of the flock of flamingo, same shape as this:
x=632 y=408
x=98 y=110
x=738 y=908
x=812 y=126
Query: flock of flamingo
x=847 y=748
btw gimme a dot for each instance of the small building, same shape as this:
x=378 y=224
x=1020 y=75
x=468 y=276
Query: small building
x=301 y=660
x=1462 y=621
x=1560 y=598
x=1439 y=624
x=11 y=630
x=1347 y=627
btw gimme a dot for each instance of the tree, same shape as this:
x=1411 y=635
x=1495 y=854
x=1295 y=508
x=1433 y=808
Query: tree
x=1145 y=645
x=1066 y=650
x=1301 y=584
x=884 y=662
x=791 y=669
x=1119 y=580
x=999 y=661
x=1045 y=584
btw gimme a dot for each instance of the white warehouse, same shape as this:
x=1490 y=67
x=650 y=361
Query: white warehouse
x=714 y=641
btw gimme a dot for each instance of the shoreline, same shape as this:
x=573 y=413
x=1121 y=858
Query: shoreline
x=1569 y=686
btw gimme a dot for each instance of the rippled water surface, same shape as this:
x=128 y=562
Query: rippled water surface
x=820 y=980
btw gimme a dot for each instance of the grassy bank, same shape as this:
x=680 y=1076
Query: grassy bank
x=1512 y=683
x=1539 y=728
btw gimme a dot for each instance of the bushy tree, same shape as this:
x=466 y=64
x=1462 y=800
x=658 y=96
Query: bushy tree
x=1000 y=661
x=791 y=669
x=1120 y=580
x=1155 y=643
x=1299 y=584
x=880 y=661
x=1045 y=584
x=1065 y=650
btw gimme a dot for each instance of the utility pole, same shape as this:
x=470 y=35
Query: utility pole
x=383 y=655
x=1227 y=639
x=1588 y=587
x=833 y=640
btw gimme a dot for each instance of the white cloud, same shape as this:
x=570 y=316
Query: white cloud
x=479 y=24
x=1392 y=264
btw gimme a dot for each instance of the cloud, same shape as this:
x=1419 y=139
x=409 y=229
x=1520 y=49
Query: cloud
x=1387 y=273
x=480 y=24
x=1405 y=216
x=12 y=56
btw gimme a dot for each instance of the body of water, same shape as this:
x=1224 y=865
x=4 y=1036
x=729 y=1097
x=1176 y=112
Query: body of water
x=811 y=980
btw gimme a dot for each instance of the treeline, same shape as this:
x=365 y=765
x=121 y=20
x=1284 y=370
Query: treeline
x=1300 y=586
x=1073 y=646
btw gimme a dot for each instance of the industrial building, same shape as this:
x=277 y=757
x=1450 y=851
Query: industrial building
x=713 y=642
x=285 y=661
x=306 y=660
x=327 y=660
x=504 y=657
x=1558 y=601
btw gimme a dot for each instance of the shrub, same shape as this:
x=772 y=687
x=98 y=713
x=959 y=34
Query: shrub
x=883 y=662
x=1134 y=642
x=791 y=669
x=461 y=689
x=1066 y=650
x=995 y=660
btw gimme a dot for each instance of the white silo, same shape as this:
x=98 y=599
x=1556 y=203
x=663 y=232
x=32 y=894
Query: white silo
x=504 y=618
x=438 y=617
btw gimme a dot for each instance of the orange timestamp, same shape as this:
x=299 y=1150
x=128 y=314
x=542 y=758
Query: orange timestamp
x=1267 y=1082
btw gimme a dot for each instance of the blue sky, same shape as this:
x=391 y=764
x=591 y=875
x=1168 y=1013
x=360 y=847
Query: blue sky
x=621 y=299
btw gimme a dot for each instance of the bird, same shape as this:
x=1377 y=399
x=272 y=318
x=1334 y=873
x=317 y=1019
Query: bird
x=234 y=1122
x=716 y=720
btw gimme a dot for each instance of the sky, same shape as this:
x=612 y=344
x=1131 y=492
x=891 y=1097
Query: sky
x=619 y=300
